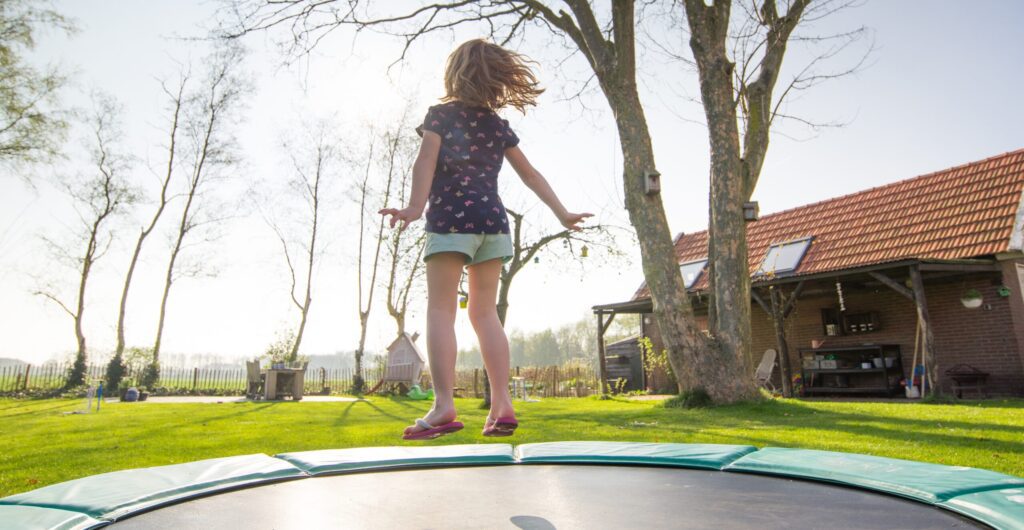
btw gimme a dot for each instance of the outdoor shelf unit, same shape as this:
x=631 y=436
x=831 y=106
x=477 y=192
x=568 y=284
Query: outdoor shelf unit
x=848 y=377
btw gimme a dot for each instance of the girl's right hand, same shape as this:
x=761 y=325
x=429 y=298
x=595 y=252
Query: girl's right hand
x=406 y=215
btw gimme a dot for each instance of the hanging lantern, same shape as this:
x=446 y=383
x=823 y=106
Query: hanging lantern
x=536 y=259
x=463 y=301
x=584 y=252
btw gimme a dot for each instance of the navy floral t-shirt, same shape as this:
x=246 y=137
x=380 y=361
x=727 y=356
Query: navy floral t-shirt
x=464 y=194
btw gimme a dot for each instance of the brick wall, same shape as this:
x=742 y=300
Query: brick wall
x=985 y=338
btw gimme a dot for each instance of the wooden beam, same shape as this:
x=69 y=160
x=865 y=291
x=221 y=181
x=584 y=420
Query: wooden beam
x=791 y=303
x=921 y=302
x=780 y=336
x=760 y=301
x=892 y=284
x=960 y=267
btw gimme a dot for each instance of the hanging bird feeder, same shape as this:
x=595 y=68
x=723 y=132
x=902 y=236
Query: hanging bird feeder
x=536 y=259
x=584 y=251
x=463 y=301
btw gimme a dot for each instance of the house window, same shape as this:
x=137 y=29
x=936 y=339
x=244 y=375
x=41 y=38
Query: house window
x=692 y=270
x=783 y=258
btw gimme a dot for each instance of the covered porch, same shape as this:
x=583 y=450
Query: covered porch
x=905 y=315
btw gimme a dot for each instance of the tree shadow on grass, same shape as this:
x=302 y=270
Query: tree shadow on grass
x=38 y=410
x=382 y=412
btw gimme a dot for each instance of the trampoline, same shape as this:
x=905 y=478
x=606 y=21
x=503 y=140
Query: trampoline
x=532 y=486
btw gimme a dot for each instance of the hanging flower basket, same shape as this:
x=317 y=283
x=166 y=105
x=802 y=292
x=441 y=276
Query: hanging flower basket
x=971 y=299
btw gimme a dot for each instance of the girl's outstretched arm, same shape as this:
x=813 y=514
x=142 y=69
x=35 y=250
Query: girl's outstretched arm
x=422 y=177
x=536 y=182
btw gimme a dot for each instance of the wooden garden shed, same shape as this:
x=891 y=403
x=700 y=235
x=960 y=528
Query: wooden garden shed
x=933 y=265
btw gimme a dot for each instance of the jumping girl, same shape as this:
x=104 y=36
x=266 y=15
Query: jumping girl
x=456 y=172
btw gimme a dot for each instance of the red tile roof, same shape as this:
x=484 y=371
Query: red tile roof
x=964 y=212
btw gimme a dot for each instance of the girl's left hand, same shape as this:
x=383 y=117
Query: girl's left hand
x=406 y=216
x=572 y=220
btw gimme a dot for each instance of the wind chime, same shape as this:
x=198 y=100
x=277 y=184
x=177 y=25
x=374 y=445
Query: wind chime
x=839 y=292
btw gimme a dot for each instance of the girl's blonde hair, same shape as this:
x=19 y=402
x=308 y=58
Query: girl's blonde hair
x=482 y=74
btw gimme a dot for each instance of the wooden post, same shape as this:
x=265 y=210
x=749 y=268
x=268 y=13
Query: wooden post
x=476 y=380
x=602 y=326
x=603 y=370
x=28 y=368
x=195 y=377
x=921 y=302
x=780 y=335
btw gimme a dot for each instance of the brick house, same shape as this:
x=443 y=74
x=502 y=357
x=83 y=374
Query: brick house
x=867 y=285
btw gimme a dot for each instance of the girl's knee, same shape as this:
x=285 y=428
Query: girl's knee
x=482 y=315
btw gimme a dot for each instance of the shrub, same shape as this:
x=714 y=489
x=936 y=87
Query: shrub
x=116 y=369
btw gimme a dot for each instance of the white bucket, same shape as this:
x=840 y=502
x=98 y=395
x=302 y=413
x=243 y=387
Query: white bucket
x=913 y=392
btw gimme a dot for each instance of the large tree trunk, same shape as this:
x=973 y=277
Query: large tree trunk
x=672 y=309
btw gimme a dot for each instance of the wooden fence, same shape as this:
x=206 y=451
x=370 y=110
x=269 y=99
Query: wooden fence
x=541 y=382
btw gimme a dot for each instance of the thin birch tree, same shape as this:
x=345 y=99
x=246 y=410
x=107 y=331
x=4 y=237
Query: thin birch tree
x=383 y=166
x=210 y=151
x=98 y=199
x=314 y=163
x=404 y=253
x=176 y=98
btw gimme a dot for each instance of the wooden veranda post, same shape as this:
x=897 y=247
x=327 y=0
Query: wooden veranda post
x=921 y=302
x=602 y=326
x=779 y=320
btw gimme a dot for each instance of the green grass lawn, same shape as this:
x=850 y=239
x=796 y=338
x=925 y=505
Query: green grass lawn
x=41 y=445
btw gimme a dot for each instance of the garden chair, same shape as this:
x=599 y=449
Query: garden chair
x=763 y=375
x=255 y=380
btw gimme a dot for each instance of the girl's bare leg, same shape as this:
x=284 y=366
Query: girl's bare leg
x=444 y=270
x=483 y=313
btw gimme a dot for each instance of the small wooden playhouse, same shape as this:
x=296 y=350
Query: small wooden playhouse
x=404 y=365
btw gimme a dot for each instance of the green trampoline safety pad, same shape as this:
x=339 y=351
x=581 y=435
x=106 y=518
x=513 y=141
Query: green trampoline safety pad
x=362 y=458
x=1003 y=509
x=929 y=483
x=701 y=456
x=35 y=517
x=116 y=494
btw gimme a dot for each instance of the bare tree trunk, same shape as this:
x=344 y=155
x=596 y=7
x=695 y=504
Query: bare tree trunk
x=177 y=101
x=314 y=198
x=220 y=95
x=364 y=313
x=104 y=196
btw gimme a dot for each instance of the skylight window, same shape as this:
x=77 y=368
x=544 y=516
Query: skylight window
x=692 y=270
x=783 y=258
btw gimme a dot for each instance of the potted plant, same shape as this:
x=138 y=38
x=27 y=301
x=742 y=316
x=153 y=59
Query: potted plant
x=971 y=299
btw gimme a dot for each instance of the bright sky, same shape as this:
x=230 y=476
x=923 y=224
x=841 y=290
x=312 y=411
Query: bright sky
x=940 y=91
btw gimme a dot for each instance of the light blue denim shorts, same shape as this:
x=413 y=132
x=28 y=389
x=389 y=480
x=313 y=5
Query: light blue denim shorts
x=477 y=248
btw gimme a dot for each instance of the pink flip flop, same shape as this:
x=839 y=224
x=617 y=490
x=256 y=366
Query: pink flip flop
x=505 y=426
x=430 y=432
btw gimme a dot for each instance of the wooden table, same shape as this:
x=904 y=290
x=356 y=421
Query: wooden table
x=284 y=381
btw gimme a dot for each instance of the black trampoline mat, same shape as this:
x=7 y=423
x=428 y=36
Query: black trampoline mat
x=548 y=497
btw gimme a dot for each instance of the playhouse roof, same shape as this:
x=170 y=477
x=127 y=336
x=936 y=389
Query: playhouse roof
x=408 y=339
x=969 y=211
